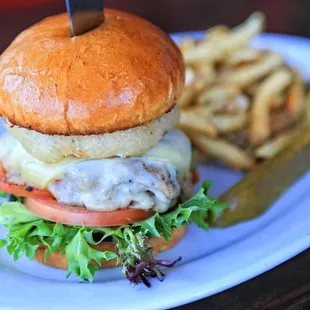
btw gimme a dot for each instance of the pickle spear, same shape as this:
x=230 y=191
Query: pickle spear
x=263 y=185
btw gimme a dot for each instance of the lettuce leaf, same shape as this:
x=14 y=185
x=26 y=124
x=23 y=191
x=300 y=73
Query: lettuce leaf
x=3 y=194
x=26 y=233
x=15 y=213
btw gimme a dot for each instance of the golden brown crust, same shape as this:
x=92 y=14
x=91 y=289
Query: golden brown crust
x=57 y=260
x=122 y=74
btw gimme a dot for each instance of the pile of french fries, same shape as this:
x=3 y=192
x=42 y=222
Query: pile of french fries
x=240 y=105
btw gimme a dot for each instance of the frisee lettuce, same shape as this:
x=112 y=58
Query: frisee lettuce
x=3 y=194
x=26 y=233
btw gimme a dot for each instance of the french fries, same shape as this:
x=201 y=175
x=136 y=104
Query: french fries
x=216 y=95
x=189 y=76
x=242 y=34
x=206 y=73
x=187 y=97
x=296 y=95
x=216 y=33
x=260 y=116
x=242 y=56
x=277 y=102
x=217 y=48
x=280 y=121
x=307 y=108
x=251 y=73
x=187 y=43
x=223 y=150
x=228 y=123
x=198 y=121
x=240 y=105
x=276 y=145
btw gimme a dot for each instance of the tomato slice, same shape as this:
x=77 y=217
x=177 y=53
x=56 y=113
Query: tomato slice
x=51 y=210
x=2 y=171
x=21 y=190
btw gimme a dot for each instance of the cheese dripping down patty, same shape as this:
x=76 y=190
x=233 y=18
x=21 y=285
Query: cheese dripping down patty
x=155 y=180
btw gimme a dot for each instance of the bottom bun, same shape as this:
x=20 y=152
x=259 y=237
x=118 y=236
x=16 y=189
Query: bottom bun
x=58 y=260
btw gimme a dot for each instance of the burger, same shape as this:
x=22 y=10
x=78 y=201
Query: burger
x=95 y=172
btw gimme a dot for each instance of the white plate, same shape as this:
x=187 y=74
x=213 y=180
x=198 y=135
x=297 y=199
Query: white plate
x=212 y=262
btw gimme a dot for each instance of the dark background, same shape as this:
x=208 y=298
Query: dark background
x=284 y=16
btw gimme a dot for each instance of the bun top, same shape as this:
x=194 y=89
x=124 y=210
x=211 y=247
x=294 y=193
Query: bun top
x=122 y=74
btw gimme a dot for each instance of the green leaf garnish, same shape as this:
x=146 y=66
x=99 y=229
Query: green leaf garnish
x=3 y=194
x=15 y=213
x=80 y=254
x=26 y=233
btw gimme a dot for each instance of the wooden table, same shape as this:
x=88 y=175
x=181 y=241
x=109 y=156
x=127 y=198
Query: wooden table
x=287 y=286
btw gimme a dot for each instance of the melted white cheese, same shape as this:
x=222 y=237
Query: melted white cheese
x=175 y=148
x=149 y=182
x=116 y=183
x=23 y=168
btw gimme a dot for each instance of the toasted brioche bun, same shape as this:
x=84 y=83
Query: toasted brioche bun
x=57 y=260
x=123 y=74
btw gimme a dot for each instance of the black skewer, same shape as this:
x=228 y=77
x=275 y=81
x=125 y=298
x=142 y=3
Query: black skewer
x=84 y=15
